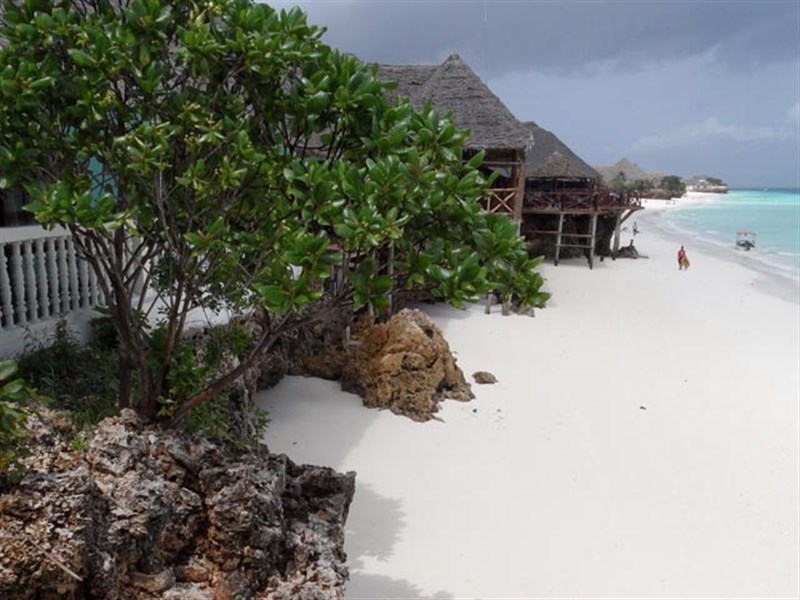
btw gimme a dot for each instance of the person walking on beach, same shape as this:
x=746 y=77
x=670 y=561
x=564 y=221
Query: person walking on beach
x=683 y=261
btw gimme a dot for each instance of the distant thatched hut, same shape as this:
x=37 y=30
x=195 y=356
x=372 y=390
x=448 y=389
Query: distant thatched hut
x=454 y=87
x=550 y=165
x=565 y=213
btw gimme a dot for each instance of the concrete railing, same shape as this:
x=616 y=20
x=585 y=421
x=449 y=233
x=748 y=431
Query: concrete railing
x=42 y=279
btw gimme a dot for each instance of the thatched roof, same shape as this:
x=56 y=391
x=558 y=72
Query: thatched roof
x=550 y=157
x=454 y=87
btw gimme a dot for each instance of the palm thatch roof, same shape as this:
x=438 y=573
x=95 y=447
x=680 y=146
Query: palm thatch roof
x=454 y=87
x=551 y=158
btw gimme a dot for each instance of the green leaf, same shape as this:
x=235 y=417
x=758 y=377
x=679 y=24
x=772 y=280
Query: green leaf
x=81 y=58
x=7 y=369
x=194 y=239
x=275 y=297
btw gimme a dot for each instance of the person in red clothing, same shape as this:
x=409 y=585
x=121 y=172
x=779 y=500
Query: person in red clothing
x=683 y=261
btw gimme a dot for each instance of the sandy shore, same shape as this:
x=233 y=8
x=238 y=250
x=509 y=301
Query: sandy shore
x=642 y=442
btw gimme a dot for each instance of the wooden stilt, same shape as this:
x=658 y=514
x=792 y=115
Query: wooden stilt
x=558 y=237
x=617 y=227
x=592 y=241
x=519 y=196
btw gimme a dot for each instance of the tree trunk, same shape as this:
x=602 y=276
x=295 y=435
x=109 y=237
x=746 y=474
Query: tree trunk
x=124 y=374
x=264 y=344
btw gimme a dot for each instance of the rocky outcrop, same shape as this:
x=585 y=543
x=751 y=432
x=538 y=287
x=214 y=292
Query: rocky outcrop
x=628 y=251
x=145 y=513
x=404 y=365
x=484 y=377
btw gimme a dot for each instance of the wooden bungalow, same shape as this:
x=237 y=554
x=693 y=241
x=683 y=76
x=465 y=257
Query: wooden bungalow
x=454 y=87
x=564 y=211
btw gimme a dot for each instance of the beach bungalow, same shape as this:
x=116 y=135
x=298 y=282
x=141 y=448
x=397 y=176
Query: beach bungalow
x=565 y=212
x=454 y=87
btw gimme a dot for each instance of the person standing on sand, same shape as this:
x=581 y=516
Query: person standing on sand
x=683 y=261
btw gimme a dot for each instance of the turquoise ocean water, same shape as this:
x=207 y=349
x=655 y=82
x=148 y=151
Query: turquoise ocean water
x=773 y=214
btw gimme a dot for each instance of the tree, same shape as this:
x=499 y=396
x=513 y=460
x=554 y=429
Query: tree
x=216 y=155
x=673 y=184
x=638 y=186
x=619 y=181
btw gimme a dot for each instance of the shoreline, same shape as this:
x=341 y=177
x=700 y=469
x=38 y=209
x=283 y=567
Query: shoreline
x=642 y=442
x=779 y=279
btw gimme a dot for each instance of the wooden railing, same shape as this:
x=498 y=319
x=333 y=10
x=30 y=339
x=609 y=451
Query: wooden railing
x=42 y=277
x=580 y=200
x=501 y=200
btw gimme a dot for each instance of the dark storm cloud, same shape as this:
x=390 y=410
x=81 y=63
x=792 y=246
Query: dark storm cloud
x=563 y=37
x=679 y=86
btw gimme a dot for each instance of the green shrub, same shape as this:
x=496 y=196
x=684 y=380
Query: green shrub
x=80 y=379
x=224 y=421
x=13 y=395
x=225 y=418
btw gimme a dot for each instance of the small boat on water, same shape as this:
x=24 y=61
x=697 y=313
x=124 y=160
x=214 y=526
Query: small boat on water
x=746 y=239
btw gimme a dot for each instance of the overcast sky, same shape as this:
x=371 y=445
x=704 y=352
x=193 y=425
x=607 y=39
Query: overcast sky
x=679 y=86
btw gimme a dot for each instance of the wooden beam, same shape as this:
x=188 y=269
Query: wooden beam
x=630 y=212
x=617 y=225
x=558 y=237
x=520 y=195
x=592 y=241
x=567 y=235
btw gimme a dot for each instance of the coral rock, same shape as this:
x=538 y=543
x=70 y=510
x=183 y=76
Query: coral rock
x=484 y=377
x=150 y=513
x=405 y=365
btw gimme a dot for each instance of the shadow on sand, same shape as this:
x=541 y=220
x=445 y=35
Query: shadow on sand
x=373 y=528
x=379 y=587
x=314 y=422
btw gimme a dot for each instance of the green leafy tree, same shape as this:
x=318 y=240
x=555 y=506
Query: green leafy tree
x=673 y=184
x=638 y=186
x=619 y=181
x=217 y=155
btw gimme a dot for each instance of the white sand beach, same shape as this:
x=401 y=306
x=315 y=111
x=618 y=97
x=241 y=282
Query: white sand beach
x=642 y=442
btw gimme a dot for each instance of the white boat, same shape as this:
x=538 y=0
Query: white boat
x=746 y=239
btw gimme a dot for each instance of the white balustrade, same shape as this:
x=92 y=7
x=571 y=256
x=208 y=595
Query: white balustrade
x=94 y=297
x=5 y=292
x=30 y=282
x=41 y=271
x=52 y=276
x=63 y=274
x=42 y=277
x=74 y=296
x=18 y=284
x=83 y=276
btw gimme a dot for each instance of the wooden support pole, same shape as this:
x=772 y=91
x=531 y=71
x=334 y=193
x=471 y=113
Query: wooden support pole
x=519 y=196
x=558 y=237
x=617 y=227
x=592 y=241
